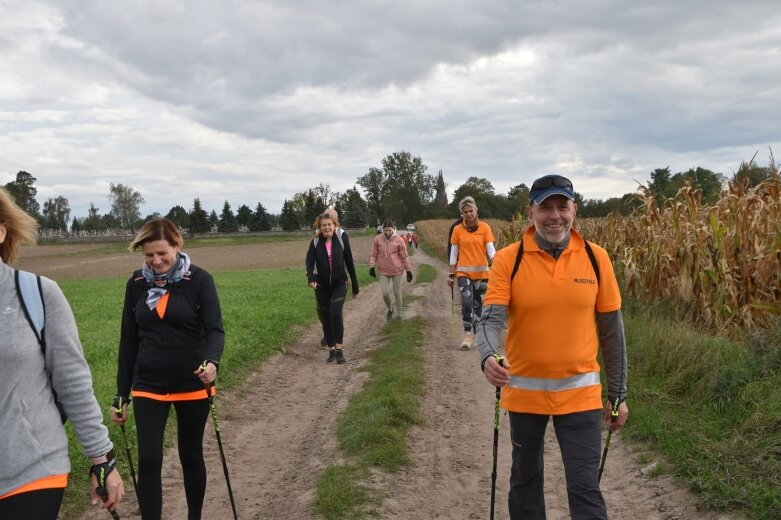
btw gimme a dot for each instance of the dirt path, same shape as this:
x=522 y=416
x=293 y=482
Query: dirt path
x=278 y=433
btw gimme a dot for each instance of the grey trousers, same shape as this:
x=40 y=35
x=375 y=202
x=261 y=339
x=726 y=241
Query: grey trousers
x=385 y=285
x=472 y=292
x=579 y=441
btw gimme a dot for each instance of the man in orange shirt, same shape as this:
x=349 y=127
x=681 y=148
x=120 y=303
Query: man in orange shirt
x=472 y=247
x=549 y=292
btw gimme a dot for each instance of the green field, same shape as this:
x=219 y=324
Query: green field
x=262 y=310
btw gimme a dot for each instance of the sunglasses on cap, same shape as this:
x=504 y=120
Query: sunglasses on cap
x=552 y=181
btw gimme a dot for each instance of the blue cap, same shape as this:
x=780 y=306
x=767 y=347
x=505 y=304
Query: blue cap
x=549 y=185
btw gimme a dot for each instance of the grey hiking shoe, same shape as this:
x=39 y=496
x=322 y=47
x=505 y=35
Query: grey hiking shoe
x=339 y=356
x=389 y=316
x=331 y=355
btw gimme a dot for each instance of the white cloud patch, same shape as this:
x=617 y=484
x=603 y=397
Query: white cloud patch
x=251 y=102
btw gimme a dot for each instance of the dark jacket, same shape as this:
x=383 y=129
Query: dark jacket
x=159 y=355
x=318 y=270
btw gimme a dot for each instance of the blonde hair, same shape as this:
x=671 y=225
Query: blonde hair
x=321 y=217
x=20 y=228
x=158 y=229
x=466 y=201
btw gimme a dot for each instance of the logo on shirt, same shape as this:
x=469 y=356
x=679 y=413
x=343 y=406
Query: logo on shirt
x=585 y=280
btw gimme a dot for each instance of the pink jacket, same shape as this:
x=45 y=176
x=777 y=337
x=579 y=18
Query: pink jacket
x=389 y=255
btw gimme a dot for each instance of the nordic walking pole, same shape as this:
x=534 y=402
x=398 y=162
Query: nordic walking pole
x=500 y=360
x=613 y=417
x=453 y=311
x=219 y=442
x=118 y=407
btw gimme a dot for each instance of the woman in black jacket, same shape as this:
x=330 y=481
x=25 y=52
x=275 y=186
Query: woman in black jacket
x=328 y=256
x=171 y=342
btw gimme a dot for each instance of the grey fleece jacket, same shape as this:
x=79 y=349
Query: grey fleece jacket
x=33 y=443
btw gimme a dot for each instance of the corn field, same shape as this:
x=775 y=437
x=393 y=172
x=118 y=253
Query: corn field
x=722 y=261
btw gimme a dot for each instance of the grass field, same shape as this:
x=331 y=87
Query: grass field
x=262 y=311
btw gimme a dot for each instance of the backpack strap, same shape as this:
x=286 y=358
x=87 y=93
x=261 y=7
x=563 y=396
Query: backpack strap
x=518 y=258
x=593 y=259
x=589 y=251
x=28 y=287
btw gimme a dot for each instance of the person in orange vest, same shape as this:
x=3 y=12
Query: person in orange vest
x=472 y=248
x=549 y=293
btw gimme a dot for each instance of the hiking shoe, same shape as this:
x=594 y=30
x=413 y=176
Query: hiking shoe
x=389 y=316
x=339 y=356
x=469 y=338
x=332 y=355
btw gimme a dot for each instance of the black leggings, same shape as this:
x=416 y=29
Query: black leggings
x=330 y=301
x=43 y=504
x=151 y=416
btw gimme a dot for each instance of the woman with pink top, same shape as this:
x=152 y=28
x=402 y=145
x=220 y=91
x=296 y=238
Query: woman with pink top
x=389 y=257
x=329 y=261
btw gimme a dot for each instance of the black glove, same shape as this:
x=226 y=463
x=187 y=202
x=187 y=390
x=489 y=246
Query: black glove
x=372 y=272
x=409 y=276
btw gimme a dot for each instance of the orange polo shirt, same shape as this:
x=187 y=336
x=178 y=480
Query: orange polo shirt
x=552 y=340
x=472 y=258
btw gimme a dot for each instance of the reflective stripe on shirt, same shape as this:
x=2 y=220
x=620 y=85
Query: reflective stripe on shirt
x=473 y=268
x=554 y=385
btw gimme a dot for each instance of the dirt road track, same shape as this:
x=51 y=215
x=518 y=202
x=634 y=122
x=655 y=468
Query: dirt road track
x=278 y=430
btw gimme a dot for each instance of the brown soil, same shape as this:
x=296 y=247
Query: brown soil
x=278 y=429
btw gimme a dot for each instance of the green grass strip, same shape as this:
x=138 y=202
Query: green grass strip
x=373 y=429
x=712 y=406
x=263 y=312
x=343 y=493
x=426 y=273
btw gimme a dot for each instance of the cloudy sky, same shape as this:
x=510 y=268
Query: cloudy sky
x=253 y=101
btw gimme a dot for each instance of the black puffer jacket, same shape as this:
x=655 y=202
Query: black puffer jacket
x=318 y=270
x=159 y=355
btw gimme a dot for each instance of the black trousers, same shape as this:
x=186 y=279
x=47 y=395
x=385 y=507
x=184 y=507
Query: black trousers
x=579 y=441
x=330 y=301
x=43 y=504
x=151 y=416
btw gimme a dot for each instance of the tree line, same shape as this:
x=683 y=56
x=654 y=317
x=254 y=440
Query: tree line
x=401 y=189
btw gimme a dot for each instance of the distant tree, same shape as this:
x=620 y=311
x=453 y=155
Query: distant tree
x=125 y=205
x=244 y=216
x=751 y=174
x=354 y=209
x=441 y=194
x=518 y=197
x=227 y=222
x=93 y=222
x=56 y=213
x=179 y=216
x=288 y=218
x=261 y=220
x=711 y=184
x=23 y=191
x=199 y=219
x=660 y=184
x=489 y=204
x=324 y=193
x=408 y=189
x=214 y=221
x=372 y=184
x=75 y=225
x=314 y=205
x=152 y=216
